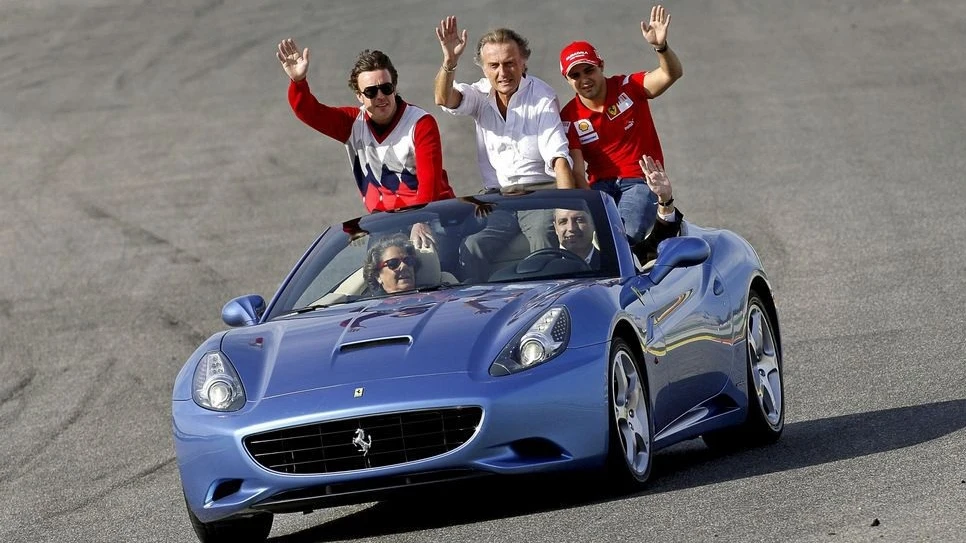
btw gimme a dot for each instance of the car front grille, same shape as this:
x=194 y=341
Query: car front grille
x=364 y=442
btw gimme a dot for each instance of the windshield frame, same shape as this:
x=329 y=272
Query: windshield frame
x=615 y=257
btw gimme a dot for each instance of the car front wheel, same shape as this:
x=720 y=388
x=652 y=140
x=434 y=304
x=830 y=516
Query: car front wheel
x=631 y=428
x=253 y=528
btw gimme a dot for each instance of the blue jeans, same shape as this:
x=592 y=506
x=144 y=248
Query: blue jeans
x=636 y=204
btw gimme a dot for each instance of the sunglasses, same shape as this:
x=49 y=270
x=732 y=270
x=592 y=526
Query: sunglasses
x=371 y=92
x=394 y=263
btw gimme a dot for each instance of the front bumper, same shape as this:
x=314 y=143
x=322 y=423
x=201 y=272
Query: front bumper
x=551 y=417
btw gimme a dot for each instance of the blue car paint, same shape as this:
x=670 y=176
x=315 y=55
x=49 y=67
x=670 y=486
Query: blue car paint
x=687 y=330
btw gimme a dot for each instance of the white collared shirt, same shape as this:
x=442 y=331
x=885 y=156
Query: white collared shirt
x=519 y=150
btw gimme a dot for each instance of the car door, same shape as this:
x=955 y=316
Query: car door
x=689 y=312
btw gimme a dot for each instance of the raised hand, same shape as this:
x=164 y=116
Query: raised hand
x=451 y=41
x=656 y=178
x=295 y=63
x=655 y=30
x=422 y=236
x=482 y=208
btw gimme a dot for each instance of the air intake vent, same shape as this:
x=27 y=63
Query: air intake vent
x=398 y=340
x=366 y=442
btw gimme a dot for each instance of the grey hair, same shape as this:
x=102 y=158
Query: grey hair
x=503 y=35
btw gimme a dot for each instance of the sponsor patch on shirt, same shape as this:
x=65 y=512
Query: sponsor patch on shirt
x=585 y=131
x=624 y=103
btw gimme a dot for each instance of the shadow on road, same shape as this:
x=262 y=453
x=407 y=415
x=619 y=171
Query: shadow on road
x=803 y=444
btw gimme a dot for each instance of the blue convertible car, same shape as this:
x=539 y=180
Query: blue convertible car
x=379 y=366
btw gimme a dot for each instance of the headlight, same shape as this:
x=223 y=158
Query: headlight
x=544 y=339
x=216 y=384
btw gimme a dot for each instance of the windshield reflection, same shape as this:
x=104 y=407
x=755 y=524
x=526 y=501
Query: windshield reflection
x=450 y=244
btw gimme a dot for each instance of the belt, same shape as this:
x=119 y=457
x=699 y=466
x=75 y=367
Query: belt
x=618 y=180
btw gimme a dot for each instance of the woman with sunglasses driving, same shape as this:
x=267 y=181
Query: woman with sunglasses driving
x=394 y=147
x=391 y=265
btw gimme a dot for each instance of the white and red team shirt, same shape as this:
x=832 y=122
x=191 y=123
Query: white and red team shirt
x=399 y=166
x=613 y=140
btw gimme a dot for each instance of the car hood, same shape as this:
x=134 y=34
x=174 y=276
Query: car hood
x=447 y=331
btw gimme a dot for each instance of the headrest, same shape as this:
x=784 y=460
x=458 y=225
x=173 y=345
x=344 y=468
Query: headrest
x=429 y=272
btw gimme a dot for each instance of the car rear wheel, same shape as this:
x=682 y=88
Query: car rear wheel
x=254 y=528
x=766 y=393
x=630 y=451
x=766 y=390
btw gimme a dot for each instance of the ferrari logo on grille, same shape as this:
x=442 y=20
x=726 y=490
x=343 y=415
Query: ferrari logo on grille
x=362 y=441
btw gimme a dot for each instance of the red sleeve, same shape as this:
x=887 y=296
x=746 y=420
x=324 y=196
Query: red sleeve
x=335 y=122
x=430 y=176
x=637 y=84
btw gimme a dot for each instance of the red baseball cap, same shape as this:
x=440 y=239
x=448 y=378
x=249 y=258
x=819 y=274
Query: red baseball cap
x=578 y=52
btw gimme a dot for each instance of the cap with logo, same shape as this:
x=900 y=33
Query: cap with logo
x=578 y=52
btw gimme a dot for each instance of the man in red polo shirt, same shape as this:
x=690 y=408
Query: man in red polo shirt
x=609 y=124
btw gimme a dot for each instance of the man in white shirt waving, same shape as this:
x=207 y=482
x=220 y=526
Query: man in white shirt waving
x=521 y=143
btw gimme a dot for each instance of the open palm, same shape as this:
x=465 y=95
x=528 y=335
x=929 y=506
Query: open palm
x=452 y=41
x=655 y=30
x=294 y=62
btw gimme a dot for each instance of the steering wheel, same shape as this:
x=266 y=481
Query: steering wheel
x=552 y=253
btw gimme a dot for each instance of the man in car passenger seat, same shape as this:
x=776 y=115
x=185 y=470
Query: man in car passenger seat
x=520 y=141
x=393 y=146
x=609 y=123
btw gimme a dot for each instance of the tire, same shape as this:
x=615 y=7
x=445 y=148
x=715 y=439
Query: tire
x=766 y=386
x=254 y=528
x=631 y=440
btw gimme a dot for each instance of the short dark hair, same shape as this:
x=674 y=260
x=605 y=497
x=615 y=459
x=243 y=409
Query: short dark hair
x=503 y=35
x=368 y=61
x=369 y=269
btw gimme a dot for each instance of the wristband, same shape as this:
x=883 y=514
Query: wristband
x=667 y=203
x=449 y=70
x=662 y=48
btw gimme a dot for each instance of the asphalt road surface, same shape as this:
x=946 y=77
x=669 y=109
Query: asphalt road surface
x=152 y=169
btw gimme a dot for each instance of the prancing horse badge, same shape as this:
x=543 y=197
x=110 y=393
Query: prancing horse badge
x=359 y=392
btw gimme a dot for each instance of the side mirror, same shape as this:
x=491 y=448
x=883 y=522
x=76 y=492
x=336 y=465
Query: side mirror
x=243 y=311
x=678 y=252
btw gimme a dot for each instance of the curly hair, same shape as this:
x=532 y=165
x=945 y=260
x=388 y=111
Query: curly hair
x=369 y=269
x=503 y=35
x=368 y=61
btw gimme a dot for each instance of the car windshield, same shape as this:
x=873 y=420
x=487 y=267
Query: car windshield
x=543 y=235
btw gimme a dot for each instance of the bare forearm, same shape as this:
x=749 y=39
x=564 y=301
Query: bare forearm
x=670 y=63
x=580 y=169
x=443 y=89
x=564 y=174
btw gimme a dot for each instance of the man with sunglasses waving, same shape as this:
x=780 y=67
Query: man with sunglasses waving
x=393 y=146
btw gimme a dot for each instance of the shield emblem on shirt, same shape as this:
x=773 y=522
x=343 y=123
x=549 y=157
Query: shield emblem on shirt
x=585 y=131
x=624 y=103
